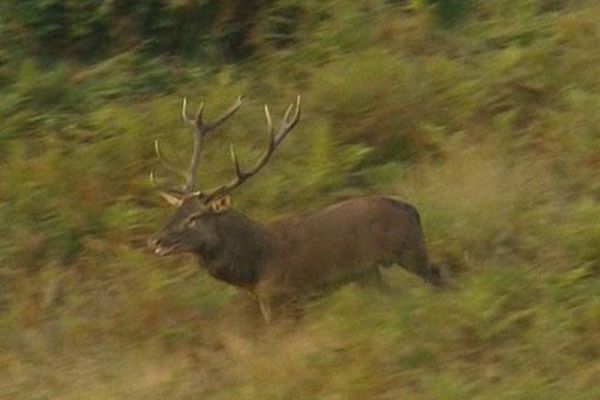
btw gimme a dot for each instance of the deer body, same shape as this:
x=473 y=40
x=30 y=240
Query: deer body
x=280 y=261
x=284 y=260
x=343 y=241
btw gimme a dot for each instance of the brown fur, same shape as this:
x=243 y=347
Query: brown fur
x=284 y=260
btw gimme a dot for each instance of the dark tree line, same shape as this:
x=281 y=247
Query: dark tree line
x=89 y=29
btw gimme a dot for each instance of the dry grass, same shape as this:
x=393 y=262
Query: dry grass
x=490 y=128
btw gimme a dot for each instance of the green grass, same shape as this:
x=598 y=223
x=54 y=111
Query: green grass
x=482 y=114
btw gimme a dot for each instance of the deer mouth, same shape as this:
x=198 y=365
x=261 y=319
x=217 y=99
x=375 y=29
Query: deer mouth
x=166 y=250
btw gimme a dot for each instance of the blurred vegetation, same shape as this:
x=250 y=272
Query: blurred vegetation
x=485 y=114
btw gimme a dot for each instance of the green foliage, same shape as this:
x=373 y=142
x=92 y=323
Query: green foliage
x=447 y=12
x=483 y=114
x=41 y=90
x=90 y=28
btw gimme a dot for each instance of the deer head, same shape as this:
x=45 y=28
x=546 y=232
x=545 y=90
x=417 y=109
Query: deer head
x=194 y=225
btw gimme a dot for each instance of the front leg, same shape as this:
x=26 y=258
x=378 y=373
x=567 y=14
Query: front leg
x=265 y=309
x=272 y=299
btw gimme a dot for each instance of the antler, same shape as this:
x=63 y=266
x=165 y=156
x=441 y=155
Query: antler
x=201 y=129
x=287 y=124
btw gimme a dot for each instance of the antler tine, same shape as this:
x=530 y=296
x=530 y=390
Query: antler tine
x=269 y=121
x=236 y=163
x=228 y=113
x=288 y=125
x=166 y=164
x=201 y=129
x=173 y=196
x=153 y=176
x=274 y=140
x=197 y=120
x=184 y=114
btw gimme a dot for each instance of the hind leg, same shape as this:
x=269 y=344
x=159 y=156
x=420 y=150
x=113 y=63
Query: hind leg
x=371 y=278
x=415 y=259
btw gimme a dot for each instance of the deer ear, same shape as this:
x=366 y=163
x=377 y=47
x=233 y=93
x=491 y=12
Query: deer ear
x=172 y=198
x=221 y=204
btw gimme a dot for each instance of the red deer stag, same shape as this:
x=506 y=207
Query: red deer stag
x=280 y=261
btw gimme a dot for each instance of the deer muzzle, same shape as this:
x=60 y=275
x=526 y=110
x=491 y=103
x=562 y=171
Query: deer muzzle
x=160 y=247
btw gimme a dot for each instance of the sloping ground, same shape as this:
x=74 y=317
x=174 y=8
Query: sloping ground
x=487 y=120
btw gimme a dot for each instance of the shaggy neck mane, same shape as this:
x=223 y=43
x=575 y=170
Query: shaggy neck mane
x=242 y=248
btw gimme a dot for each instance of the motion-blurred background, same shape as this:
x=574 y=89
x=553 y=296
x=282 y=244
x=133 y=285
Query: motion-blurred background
x=484 y=114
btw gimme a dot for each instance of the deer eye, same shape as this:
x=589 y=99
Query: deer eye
x=192 y=221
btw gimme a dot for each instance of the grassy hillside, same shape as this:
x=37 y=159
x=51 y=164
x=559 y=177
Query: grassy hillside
x=483 y=114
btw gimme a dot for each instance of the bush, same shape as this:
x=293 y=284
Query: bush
x=485 y=118
x=480 y=204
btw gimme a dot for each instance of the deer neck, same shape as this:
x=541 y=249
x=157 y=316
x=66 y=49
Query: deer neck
x=240 y=252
